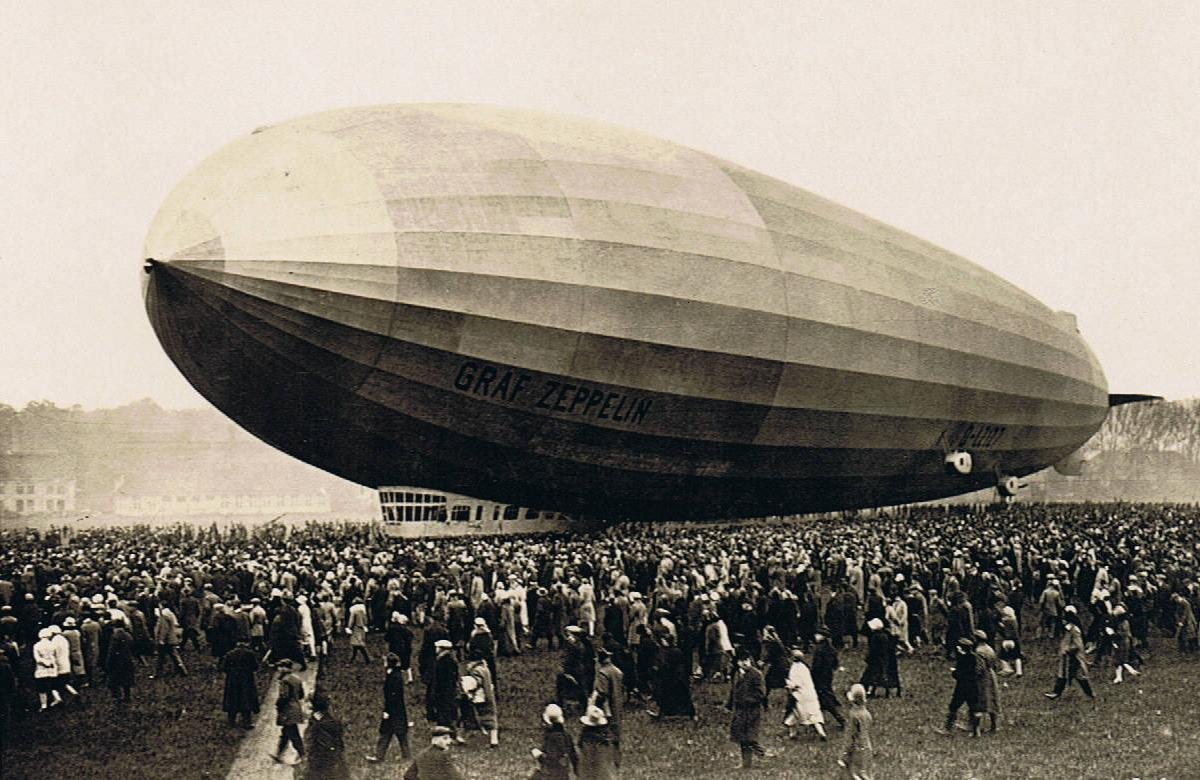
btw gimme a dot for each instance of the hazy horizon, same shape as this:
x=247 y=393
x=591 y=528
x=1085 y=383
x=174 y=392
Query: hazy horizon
x=1054 y=145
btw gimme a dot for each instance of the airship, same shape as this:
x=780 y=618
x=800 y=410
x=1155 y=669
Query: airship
x=561 y=313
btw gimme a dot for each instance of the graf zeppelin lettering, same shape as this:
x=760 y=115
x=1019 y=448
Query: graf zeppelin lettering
x=554 y=395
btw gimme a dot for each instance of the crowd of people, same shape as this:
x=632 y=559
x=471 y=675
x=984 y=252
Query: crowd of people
x=639 y=614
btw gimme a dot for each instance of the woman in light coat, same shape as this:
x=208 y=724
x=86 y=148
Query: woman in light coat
x=804 y=706
x=45 y=668
x=481 y=698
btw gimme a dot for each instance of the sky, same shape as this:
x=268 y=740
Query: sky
x=1055 y=144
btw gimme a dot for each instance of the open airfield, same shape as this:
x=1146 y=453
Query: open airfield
x=174 y=727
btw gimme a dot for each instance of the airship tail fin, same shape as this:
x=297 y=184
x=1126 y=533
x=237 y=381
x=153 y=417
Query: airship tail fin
x=1118 y=399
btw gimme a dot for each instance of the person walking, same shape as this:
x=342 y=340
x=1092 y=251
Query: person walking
x=356 y=627
x=608 y=692
x=167 y=637
x=289 y=713
x=824 y=664
x=803 y=705
x=881 y=670
x=599 y=758
x=985 y=682
x=857 y=760
x=240 y=699
x=120 y=663
x=435 y=762
x=325 y=740
x=1072 y=663
x=479 y=698
x=747 y=700
x=394 y=722
x=557 y=758
x=45 y=670
x=966 y=687
x=441 y=699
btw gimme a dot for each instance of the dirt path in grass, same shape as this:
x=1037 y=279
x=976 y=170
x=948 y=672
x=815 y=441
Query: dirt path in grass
x=254 y=756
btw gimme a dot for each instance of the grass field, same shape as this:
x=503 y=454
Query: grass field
x=1146 y=729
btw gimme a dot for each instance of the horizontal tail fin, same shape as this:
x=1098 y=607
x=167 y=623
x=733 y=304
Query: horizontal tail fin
x=1118 y=399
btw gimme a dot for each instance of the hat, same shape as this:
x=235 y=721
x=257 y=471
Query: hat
x=440 y=731
x=797 y=654
x=285 y=663
x=552 y=714
x=44 y=634
x=574 y=630
x=443 y=644
x=965 y=644
x=481 y=622
x=857 y=694
x=874 y=624
x=1070 y=608
x=980 y=635
x=823 y=630
x=69 y=622
x=594 y=717
x=603 y=653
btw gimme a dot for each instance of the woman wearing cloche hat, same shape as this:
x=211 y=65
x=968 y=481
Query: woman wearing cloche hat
x=599 y=758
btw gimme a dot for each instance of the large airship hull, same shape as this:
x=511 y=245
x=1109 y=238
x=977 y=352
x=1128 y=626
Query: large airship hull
x=567 y=315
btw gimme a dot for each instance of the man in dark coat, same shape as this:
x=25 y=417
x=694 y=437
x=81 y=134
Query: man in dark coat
x=575 y=681
x=119 y=670
x=966 y=688
x=960 y=622
x=394 y=722
x=556 y=757
x=325 y=738
x=824 y=664
x=241 y=690
x=399 y=639
x=747 y=700
x=441 y=700
x=433 y=633
x=289 y=713
x=608 y=692
x=434 y=762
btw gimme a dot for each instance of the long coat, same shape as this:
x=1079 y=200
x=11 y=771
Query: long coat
x=326 y=749
x=858 y=754
x=485 y=711
x=599 y=755
x=120 y=660
x=985 y=680
x=1072 y=661
x=288 y=711
x=241 y=689
x=394 y=705
x=881 y=655
x=824 y=664
x=558 y=759
x=805 y=705
x=442 y=697
x=775 y=658
x=747 y=699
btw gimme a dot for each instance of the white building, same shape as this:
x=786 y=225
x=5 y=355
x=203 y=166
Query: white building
x=37 y=496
